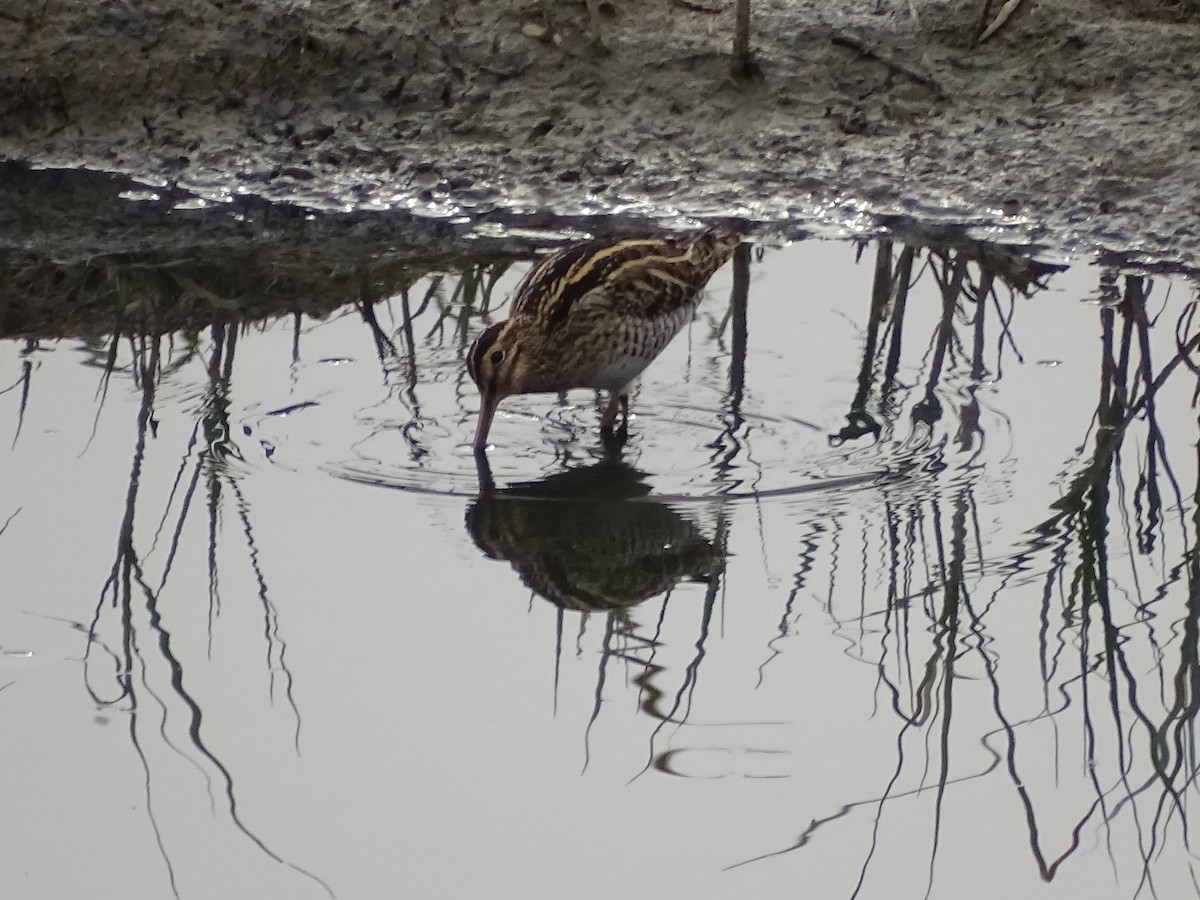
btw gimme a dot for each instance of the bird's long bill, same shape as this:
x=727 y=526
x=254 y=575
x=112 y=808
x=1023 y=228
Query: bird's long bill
x=487 y=411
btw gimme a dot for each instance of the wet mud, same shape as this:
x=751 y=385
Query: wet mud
x=1075 y=127
x=85 y=254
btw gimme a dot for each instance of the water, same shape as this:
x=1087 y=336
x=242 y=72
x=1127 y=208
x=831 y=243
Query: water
x=882 y=599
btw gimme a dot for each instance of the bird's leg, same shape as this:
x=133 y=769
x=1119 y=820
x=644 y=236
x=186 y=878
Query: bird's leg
x=609 y=418
x=618 y=403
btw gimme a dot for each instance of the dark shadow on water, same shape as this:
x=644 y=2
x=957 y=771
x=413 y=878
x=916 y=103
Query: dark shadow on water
x=574 y=540
x=577 y=540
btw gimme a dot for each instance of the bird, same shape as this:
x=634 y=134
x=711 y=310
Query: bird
x=594 y=315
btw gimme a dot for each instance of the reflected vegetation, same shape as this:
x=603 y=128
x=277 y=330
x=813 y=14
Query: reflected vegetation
x=1116 y=633
x=912 y=580
x=131 y=664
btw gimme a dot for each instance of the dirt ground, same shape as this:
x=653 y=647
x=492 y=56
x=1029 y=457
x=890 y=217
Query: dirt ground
x=1077 y=126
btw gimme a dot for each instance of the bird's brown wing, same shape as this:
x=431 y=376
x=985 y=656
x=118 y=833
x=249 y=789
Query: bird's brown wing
x=644 y=277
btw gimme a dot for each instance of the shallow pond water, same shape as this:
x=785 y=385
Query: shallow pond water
x=891 y=593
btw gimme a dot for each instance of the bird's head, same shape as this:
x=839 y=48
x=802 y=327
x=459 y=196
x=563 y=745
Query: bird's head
x=499 y=369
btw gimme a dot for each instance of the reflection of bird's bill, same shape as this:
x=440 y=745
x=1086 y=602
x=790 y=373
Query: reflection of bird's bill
x=487 y=411
x=483 y=468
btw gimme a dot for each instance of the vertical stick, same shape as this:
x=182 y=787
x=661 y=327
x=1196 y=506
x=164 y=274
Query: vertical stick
x=900 y=282
x=929 y=410
x=739 y=301
x=986 y=279
x=743 y=64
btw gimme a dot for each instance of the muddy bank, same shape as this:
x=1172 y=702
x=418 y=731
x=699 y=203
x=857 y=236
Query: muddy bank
x=1078 y=126
x=87 y=254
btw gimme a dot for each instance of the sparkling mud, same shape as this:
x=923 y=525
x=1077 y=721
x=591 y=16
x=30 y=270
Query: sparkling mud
x=1075 y=128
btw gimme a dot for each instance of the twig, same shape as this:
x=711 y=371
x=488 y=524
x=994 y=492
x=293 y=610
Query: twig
x=697 y=7
x=1002 y=17
x=744 y=66
x=1152 y=388
x=842 y=39
x=7 y=521
x=983 y=17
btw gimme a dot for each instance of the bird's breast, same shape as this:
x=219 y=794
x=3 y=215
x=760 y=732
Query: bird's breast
x=620 y=353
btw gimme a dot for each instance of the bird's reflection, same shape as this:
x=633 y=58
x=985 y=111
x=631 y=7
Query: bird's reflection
x=591 y=538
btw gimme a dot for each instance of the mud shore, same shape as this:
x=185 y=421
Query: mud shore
x=1076 y=127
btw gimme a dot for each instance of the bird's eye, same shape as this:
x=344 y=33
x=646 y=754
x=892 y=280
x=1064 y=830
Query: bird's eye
x=497 y=357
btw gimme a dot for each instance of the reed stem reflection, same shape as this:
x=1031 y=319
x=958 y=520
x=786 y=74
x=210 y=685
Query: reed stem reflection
x=1104 y=694
x=1060 y=665
x=138 y=648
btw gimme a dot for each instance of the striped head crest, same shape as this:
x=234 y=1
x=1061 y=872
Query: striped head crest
x=479 y=349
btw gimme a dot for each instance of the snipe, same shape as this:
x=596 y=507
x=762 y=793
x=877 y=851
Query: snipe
x=594 y=316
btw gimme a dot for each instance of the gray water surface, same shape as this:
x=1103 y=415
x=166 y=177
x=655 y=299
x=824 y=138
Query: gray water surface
x=892 y=593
